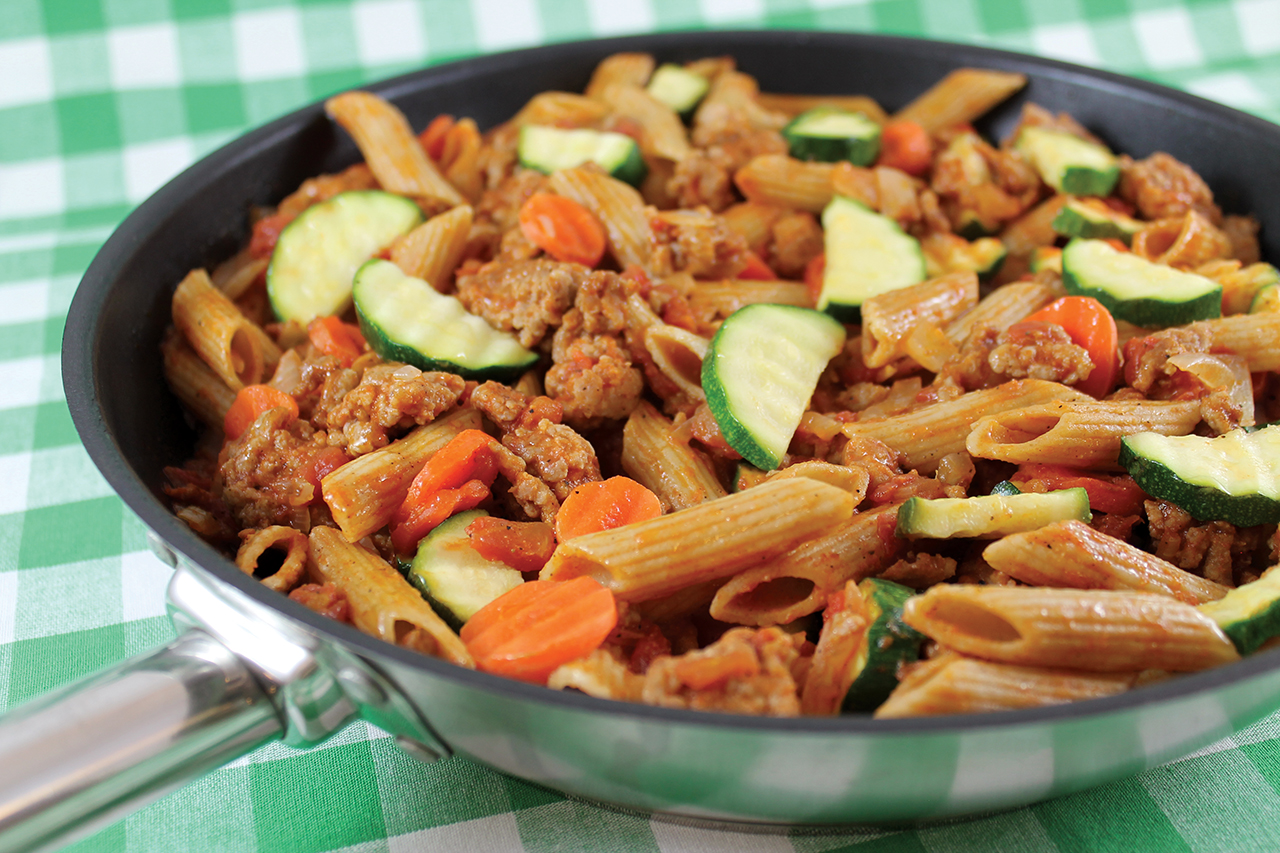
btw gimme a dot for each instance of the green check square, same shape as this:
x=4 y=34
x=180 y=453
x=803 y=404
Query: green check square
x=187 y=9
x=74 y=257
x=184 y=821
x=331 y=83
x=107 y=214
x=207 y=51
x=435 y=801
x=1216 y=31
x=53 y=426
x=123 y=13
x=1115 y=38
x=1091 y=10
x=110 y=840
x=10 y=535
x=25 y=264
x=30 y=132
x=320 y=800
x=80 y=63
x=88 y=122
x=328 y=37
x=271 y=99
x=67 y=533
x=213 y=107
x=21 y=340
x=150 y=114
x=21 y=18
x=41 y=664
x=898 y=16
x=93 y=179
x=999 y=16
x=69 y=16
x=17 y=425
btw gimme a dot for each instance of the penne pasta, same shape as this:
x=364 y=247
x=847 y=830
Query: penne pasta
x=235 y=348
x=618 y=206
x=292 y=567
x=680 y=476
x=194 y=382
x=620 y=69
x=793 y=105
x=964 y=95
x=433 y=250
x=889 y=318
x=786 y=182
x=1000 y=310
x=664 y=133
x=722 y=298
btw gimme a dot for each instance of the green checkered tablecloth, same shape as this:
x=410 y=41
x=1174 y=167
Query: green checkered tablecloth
x=101 y=101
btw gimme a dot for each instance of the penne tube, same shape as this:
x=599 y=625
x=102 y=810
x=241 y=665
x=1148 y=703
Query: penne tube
x=798 y=582
x=678 y=354
x=1005 y=306
x=433 y=250
x=1094 y=630
x=786 y=182
x=793 y=105
x=712 y=540
x=382 y=601
x=889 y=318
x=384 y=137
x=1254 y=336
x=924 y=435
x=1082 y=434
x=561 y=109
x=1034 y=228
x=680 y=604
x=364 y=494
x=1071 y=554
x=233 y=346
x=194 y=382
x=461 y=158
x=964 y=95
x=722 y=298
x=754 y=220
x=955 y=684
x=620 y=69
x=618 y=207
x=664 y=133
x=237 y=273
x=292 y=568
x=680 y=476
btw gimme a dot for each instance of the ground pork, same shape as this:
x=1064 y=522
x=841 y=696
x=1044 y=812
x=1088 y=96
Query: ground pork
x=795 y=239
x=1161 y=187
x=526 y=297
x=1040 y=351
x=265 y=475
x=705 y=177
x=697 y=243
x=746 y=671
x=324 y=598
x=1216 y=550
x=388 y=397
x=531 y=429
x=1147 y=358
x=920 y=571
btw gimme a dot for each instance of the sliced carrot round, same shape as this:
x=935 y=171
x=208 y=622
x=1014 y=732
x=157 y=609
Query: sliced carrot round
x=604 y=505
x=562 y=228
x=250 y=402
x=1091 y=326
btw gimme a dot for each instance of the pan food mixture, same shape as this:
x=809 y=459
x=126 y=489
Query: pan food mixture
x=683 y=393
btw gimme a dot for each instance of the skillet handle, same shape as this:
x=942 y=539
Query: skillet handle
x=82 y=757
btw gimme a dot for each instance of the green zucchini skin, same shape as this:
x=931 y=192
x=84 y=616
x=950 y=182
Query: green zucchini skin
x=678 y=88
x=1189 y=471
x=550 y=149
x=996 y=514
x=829 y=135
x=867 y=254
x=760 y=372
x=1135 y=289
x=1249 y=615
x=452 y=576
x=887 y=644
x=405 y=319
x=1068 y=163
x=318 y=253
x=1077 y=218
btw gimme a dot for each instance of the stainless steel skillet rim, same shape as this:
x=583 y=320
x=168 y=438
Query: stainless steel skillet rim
x=83 y=383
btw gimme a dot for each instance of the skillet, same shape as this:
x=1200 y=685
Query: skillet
x=250 y=665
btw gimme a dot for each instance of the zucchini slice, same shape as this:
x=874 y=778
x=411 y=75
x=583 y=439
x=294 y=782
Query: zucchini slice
x=1092 y=219
x=1136 y=290
x=550 y=149
x=1005 y=487
x=1242 y=290
x=318 y=253
x=1234 y=477
x=405 y=319
x=1068 y=163
x=678 y=88
x=452 y=575
x=1046 y=258
x=830 y=134
x=887 y=644
x=761 y=370
x=989 y=515
x=1249 y=614
x=953 y=253
x=1267 y=299
x=867 y=254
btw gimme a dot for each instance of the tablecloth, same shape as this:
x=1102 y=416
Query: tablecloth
x=101 y=101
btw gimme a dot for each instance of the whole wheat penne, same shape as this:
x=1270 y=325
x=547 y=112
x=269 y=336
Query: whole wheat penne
x=461 y=158
x=1079 y=433
x=678 y=354
x=798 y=582
x=237 y=273
x=786 y=182
x=561 y=109
x=680 y=476
x=793 y=105
x=887 y=319
x=364 y=493
x=737 y=94
x=680 y=604
x=384 y=137
x=620 y=69
x=962 y=96
x=433 y=250
x=844 y=624
x=715 y=539
x=382 y=601
x=752 y=219
x=194 y=382
x=1033 y=228
x=955 y=684
x=292 y=568
x=852 y=478
x=1254 y=336
x=664 y=133
x=1073 y=554
x=234 y=347
x=1094 y=630
x=1001 y=309
x=722 y=298
x=618 y=207
x=925 y=435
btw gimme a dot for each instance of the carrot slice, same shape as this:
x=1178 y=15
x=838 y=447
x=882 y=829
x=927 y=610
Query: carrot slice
x=756 y=269
x=905 y=145
x=430 y=514
x=1111 y=493
x=250 y=402
x=813 y=272
x=456 y=478
x=528 y=632
x=523 y=545
x=604 y=505
x=435 y=134
x=1091 y=326
x=562 y=228
x=333 y=337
